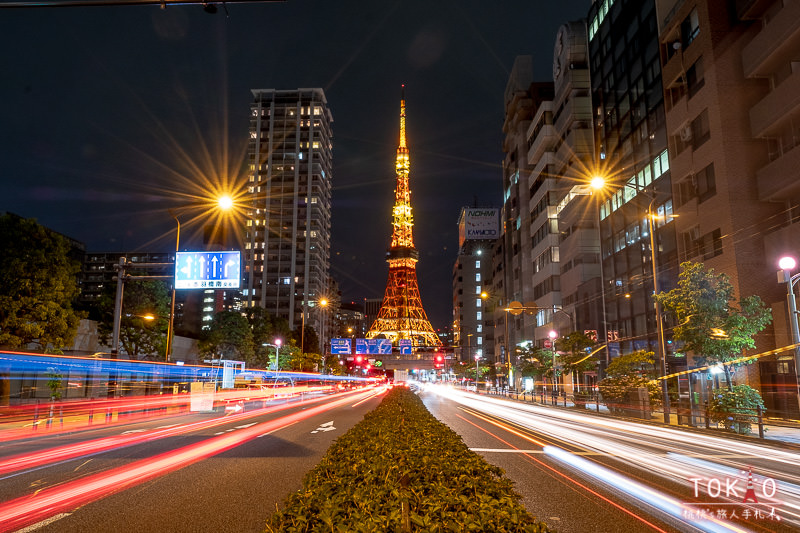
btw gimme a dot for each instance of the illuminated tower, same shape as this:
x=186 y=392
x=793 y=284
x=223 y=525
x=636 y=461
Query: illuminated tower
x=401 y=315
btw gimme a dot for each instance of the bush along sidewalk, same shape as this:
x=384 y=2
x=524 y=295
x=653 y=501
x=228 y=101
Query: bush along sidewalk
x=400 y=469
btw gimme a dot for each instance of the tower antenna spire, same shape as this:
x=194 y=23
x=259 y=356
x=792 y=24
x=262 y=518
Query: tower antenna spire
x=401 y=315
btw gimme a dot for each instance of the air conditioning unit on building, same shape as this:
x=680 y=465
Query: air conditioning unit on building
x=686 y=133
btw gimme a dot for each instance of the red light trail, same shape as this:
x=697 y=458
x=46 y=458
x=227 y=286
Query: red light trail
x=30 y=509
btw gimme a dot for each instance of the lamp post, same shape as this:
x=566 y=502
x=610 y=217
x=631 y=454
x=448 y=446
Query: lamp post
x=323 y=303
x=787 y=264
x=171 y=323
x=277 y=347
x=477 y=358
x=598 y=183
x=552 y=335
x=223 y=203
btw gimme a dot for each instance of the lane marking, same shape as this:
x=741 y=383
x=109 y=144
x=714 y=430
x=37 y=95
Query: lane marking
x=45 y=522
x=327 y=426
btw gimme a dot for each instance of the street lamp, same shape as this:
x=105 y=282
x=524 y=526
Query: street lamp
x=171 y=323
x=477 y=358
x=787 y=264
x=224 y=203
x=552 y=335
x=598 y=183
x=323 y=303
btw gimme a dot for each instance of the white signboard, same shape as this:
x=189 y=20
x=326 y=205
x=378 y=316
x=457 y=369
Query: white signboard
x=479 y=223
x=207 y=270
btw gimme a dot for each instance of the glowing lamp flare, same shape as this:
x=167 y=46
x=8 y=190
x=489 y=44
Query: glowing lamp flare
x=225 y=202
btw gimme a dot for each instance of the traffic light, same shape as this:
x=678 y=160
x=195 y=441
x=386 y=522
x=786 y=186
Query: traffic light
x=358 y=359
x=438 y=360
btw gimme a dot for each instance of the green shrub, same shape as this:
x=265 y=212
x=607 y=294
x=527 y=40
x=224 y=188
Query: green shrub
x=400 y=469
x=735 y=409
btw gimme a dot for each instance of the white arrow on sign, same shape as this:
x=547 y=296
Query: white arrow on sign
x=327 y=426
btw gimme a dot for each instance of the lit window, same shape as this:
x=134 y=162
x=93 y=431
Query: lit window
x=477 y=264
x=478 y=302
x=479 y=328
x=477 y=289
x=480 y=341
x=479 y=315
x=478 y=276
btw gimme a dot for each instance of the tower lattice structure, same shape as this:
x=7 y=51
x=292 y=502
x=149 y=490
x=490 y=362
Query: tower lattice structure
x=401 y=315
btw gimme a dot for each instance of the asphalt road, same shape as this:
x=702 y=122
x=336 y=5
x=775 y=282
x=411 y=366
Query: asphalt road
x=200 y=472
x=584 y=473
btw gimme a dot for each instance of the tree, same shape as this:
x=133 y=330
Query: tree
x=627 y=373
x=533 y=361
x=229 y=337
x=38 y=284
x=303 y=362
x=138 y=334
x=712 y=325
x=266 y=327
x=573 y=353
x=310 y=340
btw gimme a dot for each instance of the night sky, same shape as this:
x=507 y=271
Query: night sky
x=110 y=116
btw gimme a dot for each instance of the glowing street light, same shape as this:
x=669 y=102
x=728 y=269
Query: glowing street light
x=787 y=264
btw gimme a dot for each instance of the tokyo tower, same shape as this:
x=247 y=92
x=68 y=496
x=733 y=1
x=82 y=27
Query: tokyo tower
x=401 y=315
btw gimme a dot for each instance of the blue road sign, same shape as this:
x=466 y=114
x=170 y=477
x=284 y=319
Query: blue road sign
x=374 y=346
x=207 y=270
x=361 y=347
x=405 y=346
x=340 y=346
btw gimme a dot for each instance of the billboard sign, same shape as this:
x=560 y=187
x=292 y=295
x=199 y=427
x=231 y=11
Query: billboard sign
x=340 y=346
x=208 y=270
x=478 y=223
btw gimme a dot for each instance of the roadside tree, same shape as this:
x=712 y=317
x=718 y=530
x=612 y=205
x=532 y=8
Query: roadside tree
x=627 y=373
x=229 y=337
x=266 y=327
x=38 y=284
x=713 y=325
x=143 y=318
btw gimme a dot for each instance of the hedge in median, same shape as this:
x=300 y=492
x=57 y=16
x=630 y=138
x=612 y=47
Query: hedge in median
x=400 y=469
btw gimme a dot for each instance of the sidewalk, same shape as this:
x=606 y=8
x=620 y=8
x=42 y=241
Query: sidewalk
x=775 y=430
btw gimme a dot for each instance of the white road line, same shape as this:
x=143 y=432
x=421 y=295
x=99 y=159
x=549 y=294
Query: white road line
x=37 y=525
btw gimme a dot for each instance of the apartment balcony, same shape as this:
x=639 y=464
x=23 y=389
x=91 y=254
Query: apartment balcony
x=542 y=143
x=779 y=107
x=775 y=44
x=751 y=9
x=778 y=180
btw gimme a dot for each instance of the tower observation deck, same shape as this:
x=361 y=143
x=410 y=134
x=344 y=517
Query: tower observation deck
x=401 y=315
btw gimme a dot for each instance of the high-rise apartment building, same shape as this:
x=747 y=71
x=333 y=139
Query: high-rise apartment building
x=576 y=208
x=631 y=154
x=472 y=271
x=732 y=79
x=287 y=245
x=523 y=100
